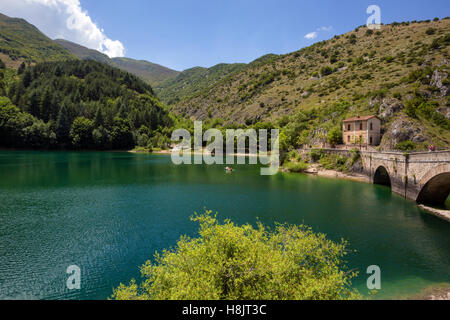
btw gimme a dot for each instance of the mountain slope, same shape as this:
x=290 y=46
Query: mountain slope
x=21 y=41
x=83 y=52
x=150 y=72
x=194 y=80
x=399 y=72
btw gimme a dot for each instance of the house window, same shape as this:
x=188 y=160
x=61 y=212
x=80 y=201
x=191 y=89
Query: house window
x=371 y=126
x=360 y=126
x=349 y=128
x=371 y=140
x=348 y=138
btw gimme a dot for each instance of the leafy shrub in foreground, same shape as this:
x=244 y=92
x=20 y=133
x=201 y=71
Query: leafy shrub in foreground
x=230 y=262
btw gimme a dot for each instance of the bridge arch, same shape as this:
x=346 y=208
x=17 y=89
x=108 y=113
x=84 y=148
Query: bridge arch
x=435 y=186
x=382 y=177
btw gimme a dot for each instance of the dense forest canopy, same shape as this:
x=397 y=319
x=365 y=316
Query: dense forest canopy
x=80 y=104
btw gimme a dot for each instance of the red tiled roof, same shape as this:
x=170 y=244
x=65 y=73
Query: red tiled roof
x=365 y=118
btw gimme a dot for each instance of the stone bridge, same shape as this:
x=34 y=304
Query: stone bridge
x=423 y=177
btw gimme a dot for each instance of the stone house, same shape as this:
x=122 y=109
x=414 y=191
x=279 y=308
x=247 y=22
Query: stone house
x=362 y=130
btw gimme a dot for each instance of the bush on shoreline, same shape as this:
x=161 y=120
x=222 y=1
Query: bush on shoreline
x=297 y=167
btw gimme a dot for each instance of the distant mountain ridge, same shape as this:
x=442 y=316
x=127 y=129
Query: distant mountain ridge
x=150 y=72
x=82 y=52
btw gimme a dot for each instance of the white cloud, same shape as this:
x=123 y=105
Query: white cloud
x=311 y=35
x=315 y=34
x=327 y=29
x=64 y=19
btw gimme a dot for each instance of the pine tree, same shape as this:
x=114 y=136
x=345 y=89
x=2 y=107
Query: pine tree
x=154 y=119
x=45 y=105
x=56 y=101
x=21 y=68
x=26 y=79
x=121 y=107
x=33 y=105
x=63 y=125
x=98 y=122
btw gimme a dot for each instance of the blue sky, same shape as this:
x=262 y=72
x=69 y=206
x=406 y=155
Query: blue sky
x=185 y=33
x=181 y=34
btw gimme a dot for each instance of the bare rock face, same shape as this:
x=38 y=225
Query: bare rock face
x=318 y=137
x=438 y=81
x=389 y=107
x=402 y=130
x=305 y=94
x=357 y=167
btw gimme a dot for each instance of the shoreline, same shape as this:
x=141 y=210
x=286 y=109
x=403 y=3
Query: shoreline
x=334 y=174
x=316 y=170
x=168 y=152
x=432 y=293
x=439 y=213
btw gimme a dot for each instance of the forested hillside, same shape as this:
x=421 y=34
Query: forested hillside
x=79 y=104
x=399 y=72
x=22 y=42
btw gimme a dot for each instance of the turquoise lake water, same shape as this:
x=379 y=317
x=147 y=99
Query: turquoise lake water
x=109 y=212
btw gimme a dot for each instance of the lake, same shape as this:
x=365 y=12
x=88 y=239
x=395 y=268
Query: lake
x=109 y=212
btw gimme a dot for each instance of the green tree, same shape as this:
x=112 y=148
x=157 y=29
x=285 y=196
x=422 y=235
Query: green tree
x=325 y=71
x=407 y=145
x=22 y=68
x=26 y=78
x=81 y=133
x=101 y=138
x=13 y=124
x=45 y=105
x=63 y=126
x=284 y=142
x=121 y=134
x=39 y=135
x=98 y=120
x=359 y=141
x=230 y=262
x=33 y=105
x=143 y=136
x=334 y=137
